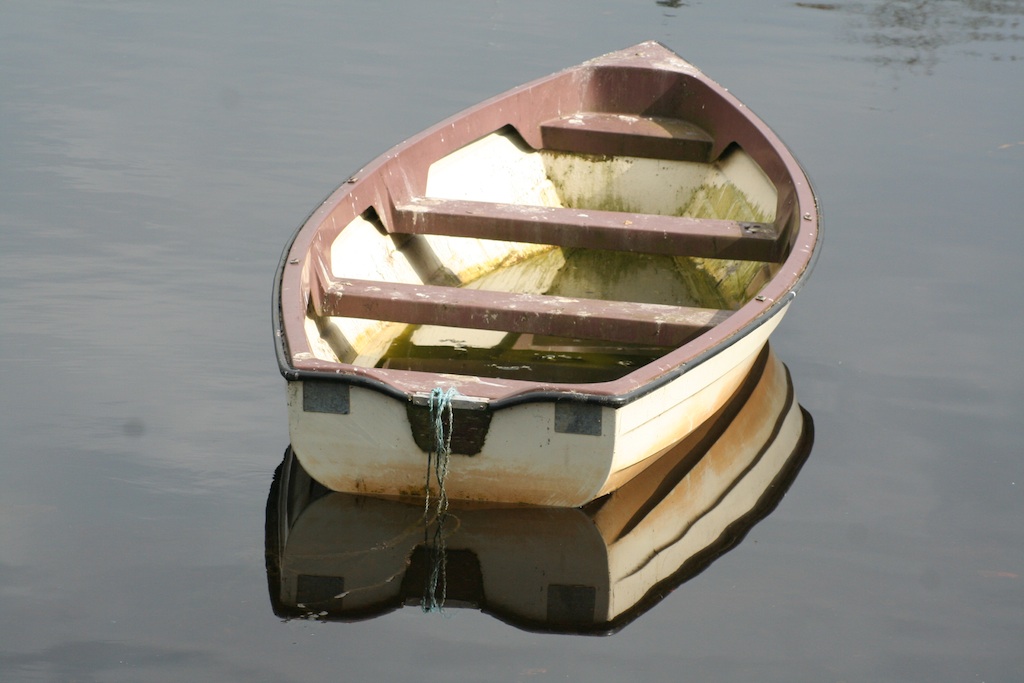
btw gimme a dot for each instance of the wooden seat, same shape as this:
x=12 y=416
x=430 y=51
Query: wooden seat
x=627 y=135
x=591 y=229
x=616 y=321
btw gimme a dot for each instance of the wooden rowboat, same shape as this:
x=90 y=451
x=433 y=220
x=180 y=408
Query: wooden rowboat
x=341 y=556
x=574 y=275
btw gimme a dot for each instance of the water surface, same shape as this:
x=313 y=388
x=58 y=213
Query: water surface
x=154 y=158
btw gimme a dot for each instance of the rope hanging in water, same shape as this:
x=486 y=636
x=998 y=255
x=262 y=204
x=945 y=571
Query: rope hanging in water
x=441 y=418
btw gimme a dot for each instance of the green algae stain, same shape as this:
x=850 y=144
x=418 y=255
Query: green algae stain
x=690 y=189
x=723 y=283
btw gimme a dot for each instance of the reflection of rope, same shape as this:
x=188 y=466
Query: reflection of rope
x=437 y=553
x=441 y=417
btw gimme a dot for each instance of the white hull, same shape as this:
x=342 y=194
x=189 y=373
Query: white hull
x=524 y=459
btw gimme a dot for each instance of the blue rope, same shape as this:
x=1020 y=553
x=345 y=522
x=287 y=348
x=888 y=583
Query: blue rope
x=441 y=416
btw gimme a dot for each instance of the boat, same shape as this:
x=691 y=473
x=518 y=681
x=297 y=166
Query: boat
x=543 y=293
x=592 y=570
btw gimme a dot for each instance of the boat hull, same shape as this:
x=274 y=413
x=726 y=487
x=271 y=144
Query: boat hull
x=526 y=455
x=628 y=206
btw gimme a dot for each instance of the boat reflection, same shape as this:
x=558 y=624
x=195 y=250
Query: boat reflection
x=336 y=556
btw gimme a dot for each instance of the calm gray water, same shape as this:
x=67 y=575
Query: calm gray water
x=154 y=158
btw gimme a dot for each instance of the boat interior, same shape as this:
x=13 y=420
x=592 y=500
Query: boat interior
x=615 y=242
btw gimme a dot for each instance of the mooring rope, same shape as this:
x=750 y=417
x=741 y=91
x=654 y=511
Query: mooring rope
x=441 y=418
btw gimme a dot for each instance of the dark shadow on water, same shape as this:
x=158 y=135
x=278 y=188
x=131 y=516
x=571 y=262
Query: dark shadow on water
x=593 y=570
